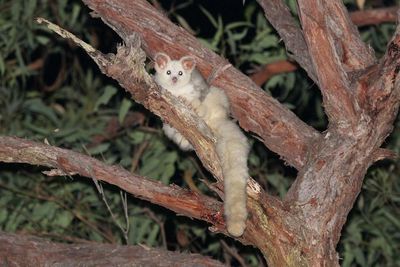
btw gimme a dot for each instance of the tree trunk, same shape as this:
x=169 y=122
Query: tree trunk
x=361 y=99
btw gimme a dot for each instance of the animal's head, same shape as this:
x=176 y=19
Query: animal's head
x=173 y=73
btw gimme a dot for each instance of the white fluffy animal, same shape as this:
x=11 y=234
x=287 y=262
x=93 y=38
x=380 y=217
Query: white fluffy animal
x=174 y=76
x=182 y=80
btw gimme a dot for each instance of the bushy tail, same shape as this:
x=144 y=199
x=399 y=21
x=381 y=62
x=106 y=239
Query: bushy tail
x=232 y=148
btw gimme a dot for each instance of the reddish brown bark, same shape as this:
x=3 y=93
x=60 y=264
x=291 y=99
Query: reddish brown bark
x=24 y=250
x=64 y=162
x=330 y=49
x=276 y=125
x=361 y=98
x=269 y=70
x=374 y=16
x=359 y=18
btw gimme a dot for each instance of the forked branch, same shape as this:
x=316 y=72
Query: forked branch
x=127 y=67
x=280 y=130
x=278 y=14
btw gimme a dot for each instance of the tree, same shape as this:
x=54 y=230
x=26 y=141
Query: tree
x=361 y=99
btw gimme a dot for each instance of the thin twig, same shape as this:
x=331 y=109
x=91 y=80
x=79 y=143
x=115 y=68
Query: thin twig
x=160 y=223
x=137 y=155
x=233 y=252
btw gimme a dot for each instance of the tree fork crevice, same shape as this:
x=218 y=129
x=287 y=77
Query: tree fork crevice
x=279 y=128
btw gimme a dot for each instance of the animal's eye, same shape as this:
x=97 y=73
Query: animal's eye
x=168 y=72
x=180 y=73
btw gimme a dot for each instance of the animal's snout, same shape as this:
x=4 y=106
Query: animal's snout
x=174 y=79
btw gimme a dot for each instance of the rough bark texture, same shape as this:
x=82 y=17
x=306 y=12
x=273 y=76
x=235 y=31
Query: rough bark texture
x=276 y=125
x=24 y=250
x=374 y=16
x=359 y=18
x=361 y=98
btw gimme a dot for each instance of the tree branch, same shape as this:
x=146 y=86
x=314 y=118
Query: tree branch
x=336 y=49
x=21 y=250
x=271 y=69
x=126 y=67
x=66 y=162
x=382 y=97
x=374 y=16
x=332 y=19
x=281 y=130
x=278 y=14
x=267 y=210
x=359 y=18
x=324 y=193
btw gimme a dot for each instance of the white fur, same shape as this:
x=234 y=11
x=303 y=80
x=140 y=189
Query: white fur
x=233 y=149
x=232 y=146
x=172 y=76
x=175 y=136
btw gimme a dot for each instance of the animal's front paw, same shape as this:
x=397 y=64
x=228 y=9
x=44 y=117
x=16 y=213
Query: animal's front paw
x=201 y=111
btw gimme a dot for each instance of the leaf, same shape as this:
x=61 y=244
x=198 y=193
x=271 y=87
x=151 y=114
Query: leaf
x=137 y=137
x=30 y=8
x=234 y=25
x=2 y=65
x=123 y=110
x=239 y=35
x=74 y=14
x=44 y=211
x=249 y=12
x=141 y=232
x=3 y=215
x=152 y=237
x=109 y=91
x=274 y=81
x=95 y=236
x=36 y=129
x=392 y=218
x=63 y=219
x=209 y=16
x=149 y=166
x=348 y=256
x=359 y=256
x=99 y=149
x=218 y=34
x=183 y=22
x=254 y=160
x=37 y=106
x=41 y=39
x=168 y=172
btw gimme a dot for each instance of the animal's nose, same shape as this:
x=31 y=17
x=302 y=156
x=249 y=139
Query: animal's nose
x=174 y=79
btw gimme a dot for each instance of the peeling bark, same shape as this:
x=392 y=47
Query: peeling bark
x=281 y=130
x=361 y=98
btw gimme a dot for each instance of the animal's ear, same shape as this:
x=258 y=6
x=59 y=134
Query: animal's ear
x=161 y=61
x=188 y=63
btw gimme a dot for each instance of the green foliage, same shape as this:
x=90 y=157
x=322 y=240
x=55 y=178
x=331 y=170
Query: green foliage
x=70 y=111
x=50 y=90
x=372 y=233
